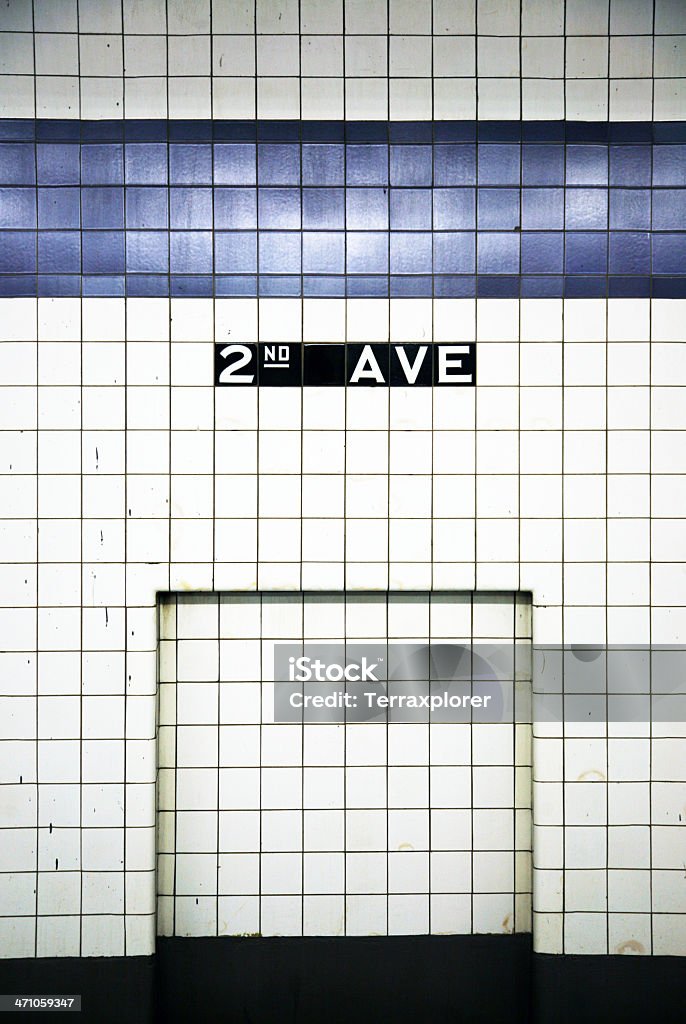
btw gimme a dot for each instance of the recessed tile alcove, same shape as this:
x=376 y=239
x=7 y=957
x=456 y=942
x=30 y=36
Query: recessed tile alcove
x=370 y=828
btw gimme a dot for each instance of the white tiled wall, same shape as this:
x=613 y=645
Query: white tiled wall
x=538 y=479
x=125 y=473
x=370 y=59
x=326 y=829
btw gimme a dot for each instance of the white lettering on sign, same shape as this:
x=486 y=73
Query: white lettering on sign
x=367 y=368
x=448 y=364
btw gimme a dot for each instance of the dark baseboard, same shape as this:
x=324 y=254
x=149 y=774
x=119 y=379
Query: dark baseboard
x=413 y=979
x=479 y=979
x=605 y=989
x=113 y=989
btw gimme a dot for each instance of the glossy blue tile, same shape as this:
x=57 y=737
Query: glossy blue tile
x=410 y=208
x=410 y=131
x=106 y=285
x=323 y=165
x=629 y=208
x=455 y=164
x=147 y=252
x=190 y=207
x=366 y=252
x=190 y=252
x=190 y=164
x=587 y=132
x=367 y=287
x=147 y=284
x=389 y=186
x=322 y=131
x=103 y=252
x=278 y=208
x=499 y=164
x=454 y=208
x=145 y=163
x=59 y=285
x=585 y=287
x=324 y=287
x=543 y=165
x=59 y=207
x=631 y=165
x=454 y=252
x=543 y=209
x=669 y=254
x=17 y=130
x=16 y=286
x=629 y=287
x=17 y=163
x=17 y=208
x=323 y=252
x=190 y=130
x=102 y=207
x=147 y=131
x=542 y=252
x=235 y=208
x=586 y=208
x=587 y=165
x=449 y=286
x=629 y=252
x=102 y=165
x=366 y=208
x=543 y=131
x=234 y=131
x=59 y=252
x=323 y=207
x=409 y=287
x=58 y=130
x=278 y=131
x=454 y=131
x=586 y=252
x=497 y=286
x=279 y=252
x=366 y=131
x=498 y=209
x=280 y=286
x=669 y=210
x=367 y=165
x=191 y=286
x=235 y=252
x=549 y=287
x=411 y=252
x=668 y=287
x=411 y=165
x=235 y=164
x=499 y=131
x=630 y=132
x=497 y=253
x=278 y=164
x=146 y=207
x=107 y=130
x=669 y=131
x=669 y=166
x=58 y=164
x=236 y=285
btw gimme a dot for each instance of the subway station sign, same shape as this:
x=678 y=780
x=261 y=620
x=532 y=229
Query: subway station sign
x=348 y=365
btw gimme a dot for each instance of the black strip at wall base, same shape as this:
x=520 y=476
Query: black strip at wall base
x=627 y=989
x=114 y=990
x=480 y=979
x=381 y=980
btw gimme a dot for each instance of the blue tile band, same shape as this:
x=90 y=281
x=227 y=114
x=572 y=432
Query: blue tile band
x=363 y=209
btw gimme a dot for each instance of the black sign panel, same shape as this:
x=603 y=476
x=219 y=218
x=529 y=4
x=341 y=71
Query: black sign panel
x=443 y=364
